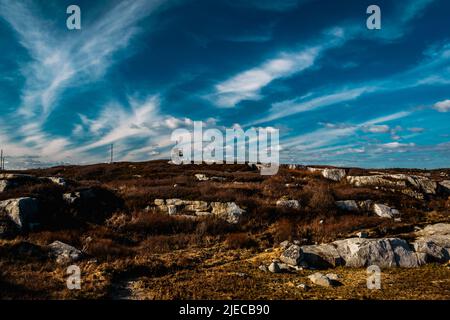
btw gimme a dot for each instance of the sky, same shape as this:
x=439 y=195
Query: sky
x=339 y=93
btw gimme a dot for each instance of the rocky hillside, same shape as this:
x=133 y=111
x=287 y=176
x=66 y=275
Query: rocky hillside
x=155 y=230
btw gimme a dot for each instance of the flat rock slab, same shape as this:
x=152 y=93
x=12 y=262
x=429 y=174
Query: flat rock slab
x=64 y=253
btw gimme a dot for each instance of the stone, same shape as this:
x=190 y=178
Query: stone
x=431 y=251
x=274 y=268
x=5 y=185
x=432 y=245
x=321 y=256
x=78 y=196
x=421 y=183
x=285 y=244
x=384 y=211
x=320 y=280
x=22 y=211
x=172 y=209
x=201 y=177
x=375 y=180
x=228 y=211
x=334 y=174
x=365 y=205
x=174 y=202
x=263 y=268
x=159 y=202
x=333 y=276
x=197 y=206
x=64 y=253
x=303 y=286
x=385 y=253
x=435 y=229
x=58 y=180
x=291 y=204
x=445 y=185
x=13 y=176
x=413 y=194
x=292 y=255
x=203 y=213
x=347 y=205
x=434 y=242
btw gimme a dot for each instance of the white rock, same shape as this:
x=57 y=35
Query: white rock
x=5 y=185
x=434 y=242
x=228 y=211
x=333 y=276
x=320 y=279
x=445 y=185
x=197 y=206
x=201 y=177
x=22 y=211
x=174 y=202
x=274 y=268
x=334 y=174
x=58 y=180
x=384 y=211
x=172 y=209
x=385 y=252
x=263 y=268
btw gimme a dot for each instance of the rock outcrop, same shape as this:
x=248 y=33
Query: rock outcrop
x=354 y=252
x=385 y=211
x=12 y=180
x=334 y=174
x=292 y=255
x=329 y=280
x=290 y=204
x=420 y=183
x=445 y=186
x=64 y=253
x=379 y=209
x=228 y=211
x=433 y=243
x=58 y=180
x=5 y=185
x=330 y=173
x=22 y=211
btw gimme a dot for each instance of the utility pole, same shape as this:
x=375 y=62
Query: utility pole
x=112 y=152
x=2 y=162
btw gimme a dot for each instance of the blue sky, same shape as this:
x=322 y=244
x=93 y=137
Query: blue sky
x=340 y=94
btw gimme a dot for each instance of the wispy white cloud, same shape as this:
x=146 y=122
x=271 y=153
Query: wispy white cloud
x=247 y=85
x=61 y=59
x=442 y=106
x=290 y=107
x=327 y=136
